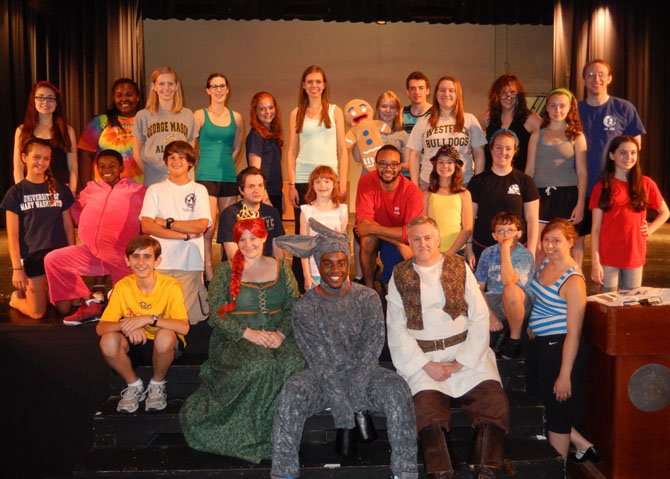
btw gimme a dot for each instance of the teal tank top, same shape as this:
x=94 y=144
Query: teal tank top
x=216 y=151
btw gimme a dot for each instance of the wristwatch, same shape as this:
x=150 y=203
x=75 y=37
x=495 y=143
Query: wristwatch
x=155 y=320
x=168 y=223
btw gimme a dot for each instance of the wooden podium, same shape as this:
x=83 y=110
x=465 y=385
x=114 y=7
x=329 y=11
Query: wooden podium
x=633 y=443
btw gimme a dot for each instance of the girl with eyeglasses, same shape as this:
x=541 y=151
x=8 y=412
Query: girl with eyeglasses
x=508 y=109
x=219 y=132
x=447 y=124
x=45 y=118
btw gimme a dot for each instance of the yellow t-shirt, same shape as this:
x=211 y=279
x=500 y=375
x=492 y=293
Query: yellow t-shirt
x=166 y=300
x=446 y=211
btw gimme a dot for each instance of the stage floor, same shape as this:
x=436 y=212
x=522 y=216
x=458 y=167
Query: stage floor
x=53 y=378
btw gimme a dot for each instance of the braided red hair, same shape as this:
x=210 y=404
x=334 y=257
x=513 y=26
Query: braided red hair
x=256 y=226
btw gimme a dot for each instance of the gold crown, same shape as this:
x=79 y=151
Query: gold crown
x=245 y=213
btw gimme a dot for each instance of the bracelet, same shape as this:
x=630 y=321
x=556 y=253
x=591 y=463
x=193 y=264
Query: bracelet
x=291 y=184
x=468 y=242
x=17 y=269
x=188 y=237
x=154 y=320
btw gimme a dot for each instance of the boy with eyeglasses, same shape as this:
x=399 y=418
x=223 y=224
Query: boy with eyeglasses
x=504 y=272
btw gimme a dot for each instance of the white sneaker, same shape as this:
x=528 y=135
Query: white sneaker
x=130 y=398
x=156 y=397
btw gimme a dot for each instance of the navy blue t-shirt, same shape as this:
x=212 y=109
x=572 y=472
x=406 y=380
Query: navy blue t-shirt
x=40 y=223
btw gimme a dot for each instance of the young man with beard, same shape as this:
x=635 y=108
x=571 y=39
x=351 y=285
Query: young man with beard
x=385 y=202
x=339 y=328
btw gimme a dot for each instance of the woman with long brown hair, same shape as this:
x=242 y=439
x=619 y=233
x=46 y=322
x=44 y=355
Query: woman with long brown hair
x=447 y=124
x=316 y=136
x=508 y=110
x=45 y=118
x=37 y=211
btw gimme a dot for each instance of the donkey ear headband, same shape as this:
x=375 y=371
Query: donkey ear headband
x=326 y=240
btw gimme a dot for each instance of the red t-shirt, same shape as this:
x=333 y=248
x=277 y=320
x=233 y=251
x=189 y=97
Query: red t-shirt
x=396 y=208
x=621 y=242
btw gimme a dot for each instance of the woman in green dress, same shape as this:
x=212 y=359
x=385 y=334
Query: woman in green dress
x=252 y=351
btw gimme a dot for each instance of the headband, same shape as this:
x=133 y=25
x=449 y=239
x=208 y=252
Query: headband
x=562 y=91
x=326 y=240
x=505 y=130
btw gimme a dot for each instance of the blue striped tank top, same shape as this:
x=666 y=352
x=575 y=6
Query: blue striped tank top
x=549 y=309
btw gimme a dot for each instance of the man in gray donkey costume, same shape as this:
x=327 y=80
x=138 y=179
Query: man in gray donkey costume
x=339 y=328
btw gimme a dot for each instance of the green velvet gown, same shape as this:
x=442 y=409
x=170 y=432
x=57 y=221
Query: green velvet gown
x=231 y=413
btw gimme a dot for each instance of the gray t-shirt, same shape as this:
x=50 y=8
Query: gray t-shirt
x=156 y=131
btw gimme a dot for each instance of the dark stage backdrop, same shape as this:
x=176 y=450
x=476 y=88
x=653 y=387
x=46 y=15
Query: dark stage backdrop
x=83 y=46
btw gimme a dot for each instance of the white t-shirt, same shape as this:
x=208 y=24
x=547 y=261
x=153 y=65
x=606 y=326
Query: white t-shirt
x=181 y=202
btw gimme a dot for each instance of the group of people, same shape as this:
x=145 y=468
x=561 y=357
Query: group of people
x=478 y=225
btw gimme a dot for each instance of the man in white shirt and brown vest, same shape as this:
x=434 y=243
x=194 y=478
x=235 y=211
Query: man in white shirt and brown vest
x=438 y=335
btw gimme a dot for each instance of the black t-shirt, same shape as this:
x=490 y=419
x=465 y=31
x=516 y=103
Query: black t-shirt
x=40 y=223
x=270 y=215
x=494 y=194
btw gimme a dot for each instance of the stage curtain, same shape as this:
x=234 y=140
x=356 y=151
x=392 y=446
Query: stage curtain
x=79 y=45
x=632 y=37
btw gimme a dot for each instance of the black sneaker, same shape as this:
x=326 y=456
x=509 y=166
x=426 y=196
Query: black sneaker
x=510 y=349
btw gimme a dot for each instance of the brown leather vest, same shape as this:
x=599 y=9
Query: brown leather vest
x=452 y=280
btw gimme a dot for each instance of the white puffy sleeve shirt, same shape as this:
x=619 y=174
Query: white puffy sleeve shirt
x=478 y=360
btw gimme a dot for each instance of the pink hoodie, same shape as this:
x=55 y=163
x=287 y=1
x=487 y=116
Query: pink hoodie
x=109 y=217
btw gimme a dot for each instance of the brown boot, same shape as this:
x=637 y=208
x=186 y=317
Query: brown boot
x=486 y=452
x=435 y=448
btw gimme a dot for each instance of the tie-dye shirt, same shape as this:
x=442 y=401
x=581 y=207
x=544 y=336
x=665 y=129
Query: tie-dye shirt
x=98 y=135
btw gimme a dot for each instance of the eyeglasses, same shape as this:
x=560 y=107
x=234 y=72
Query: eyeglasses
x=384 y=164
x=45 y=99
x=600 y=74
x=218 y=87
x=505 y=231
x=509 y=95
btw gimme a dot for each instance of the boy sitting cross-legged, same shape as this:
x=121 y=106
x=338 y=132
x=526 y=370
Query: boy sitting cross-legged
x=504 y=273
x=146 y=315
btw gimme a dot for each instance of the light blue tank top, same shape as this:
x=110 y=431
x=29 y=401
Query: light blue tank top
x=549 y=315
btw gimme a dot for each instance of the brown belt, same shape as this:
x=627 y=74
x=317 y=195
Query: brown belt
x=437 y=344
